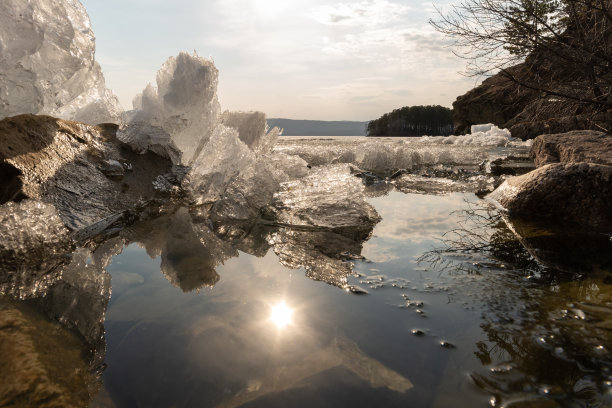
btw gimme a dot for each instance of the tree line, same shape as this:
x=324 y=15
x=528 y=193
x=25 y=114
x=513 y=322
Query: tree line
x=433 y=120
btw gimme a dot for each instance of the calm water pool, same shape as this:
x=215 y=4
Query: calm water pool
x=444 y=322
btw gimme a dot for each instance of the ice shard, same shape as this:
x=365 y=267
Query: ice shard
x=183 y=108
x=47 y=63
x=324 y=219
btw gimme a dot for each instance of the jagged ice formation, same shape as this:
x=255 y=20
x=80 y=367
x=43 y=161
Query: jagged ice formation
x=47 y=63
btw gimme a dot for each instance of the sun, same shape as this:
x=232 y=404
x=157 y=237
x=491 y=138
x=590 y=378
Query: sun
x=281 y=315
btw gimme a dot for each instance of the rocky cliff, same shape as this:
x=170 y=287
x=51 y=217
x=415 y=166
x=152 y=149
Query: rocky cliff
x=563 y=86
x=526 y=112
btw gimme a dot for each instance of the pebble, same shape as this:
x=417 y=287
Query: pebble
x=447 y=345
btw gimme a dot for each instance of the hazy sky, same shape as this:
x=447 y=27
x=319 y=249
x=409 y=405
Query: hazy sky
x=299 y=59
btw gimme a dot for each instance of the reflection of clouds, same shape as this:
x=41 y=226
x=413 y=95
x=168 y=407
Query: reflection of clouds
x=422 y=218
x=378 y=252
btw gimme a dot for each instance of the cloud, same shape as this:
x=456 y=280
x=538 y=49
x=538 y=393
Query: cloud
x=314 y=59
x=362 y=14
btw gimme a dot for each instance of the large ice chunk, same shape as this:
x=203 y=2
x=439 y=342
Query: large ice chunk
x=240 y=145
x=324 y=219
x=47 y=63
x=184 y=106
x=330 y=198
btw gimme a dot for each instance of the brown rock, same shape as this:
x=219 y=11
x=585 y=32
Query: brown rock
x=65 y=163
x=575 y=194
x=572 y=147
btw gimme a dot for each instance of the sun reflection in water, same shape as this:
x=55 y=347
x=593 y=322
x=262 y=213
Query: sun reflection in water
x=281 y=315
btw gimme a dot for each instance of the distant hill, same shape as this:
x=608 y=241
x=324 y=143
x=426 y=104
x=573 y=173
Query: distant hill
x=319 y=127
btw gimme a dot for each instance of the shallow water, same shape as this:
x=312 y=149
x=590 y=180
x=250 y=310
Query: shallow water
x=429 y=333
x=441 y=305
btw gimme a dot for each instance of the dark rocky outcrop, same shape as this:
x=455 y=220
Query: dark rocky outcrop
x=83 y=170
x=562 y=85
x=526 y=112
x=497 y=100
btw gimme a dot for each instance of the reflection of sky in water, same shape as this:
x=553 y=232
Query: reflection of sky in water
x=411 y=222
x=234 y=345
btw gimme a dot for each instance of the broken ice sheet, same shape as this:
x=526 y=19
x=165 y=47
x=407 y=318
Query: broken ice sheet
x=323 y=217
x=222 y=159
x=252 y=130
x=329 y=198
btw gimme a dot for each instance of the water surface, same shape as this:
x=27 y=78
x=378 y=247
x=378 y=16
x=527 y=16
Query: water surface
x=454 y=327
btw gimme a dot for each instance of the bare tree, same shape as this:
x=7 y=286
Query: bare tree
x=565 y=46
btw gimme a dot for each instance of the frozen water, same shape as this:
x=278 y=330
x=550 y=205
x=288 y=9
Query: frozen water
x=482 y=135
x=326 y=219
x=24 y=233
x=47 y=63
x=486 y=127
x=221 y=160
x=329 y=198
x=143 y=137
x=34 y=241
x=385 y=156
x=184 y=106
x=249 y=192
x=291 y=165
x=252 y=130
x=181 y=119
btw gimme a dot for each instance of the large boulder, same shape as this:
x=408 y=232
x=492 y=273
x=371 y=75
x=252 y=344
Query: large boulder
x=83 y=170
x=572 y=147
x=577 y=194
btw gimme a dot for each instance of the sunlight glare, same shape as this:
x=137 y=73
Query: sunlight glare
x=281 y=315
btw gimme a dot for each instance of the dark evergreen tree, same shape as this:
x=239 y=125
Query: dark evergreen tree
x=413 y=121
